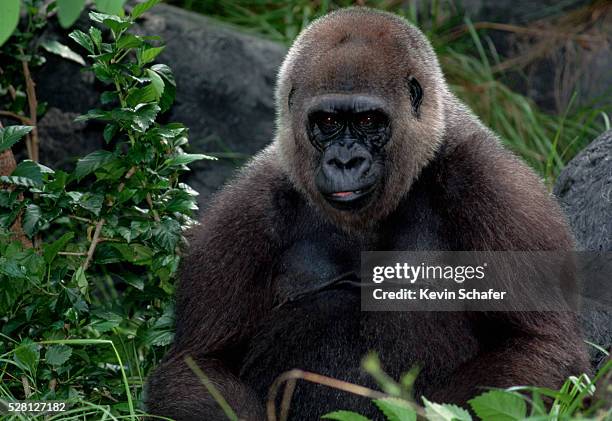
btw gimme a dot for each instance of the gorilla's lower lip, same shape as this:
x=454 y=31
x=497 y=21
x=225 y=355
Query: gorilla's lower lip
x=349 y=195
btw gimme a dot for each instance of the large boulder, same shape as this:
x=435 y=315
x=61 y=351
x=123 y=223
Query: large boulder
x=225 y=84
x=584 y=189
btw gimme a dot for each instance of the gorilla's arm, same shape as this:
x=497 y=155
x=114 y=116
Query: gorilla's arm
x=518 y=348
x=223 y=292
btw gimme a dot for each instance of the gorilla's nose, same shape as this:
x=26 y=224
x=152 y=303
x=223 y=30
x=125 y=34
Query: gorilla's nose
x=347 y=163
x=354 y=166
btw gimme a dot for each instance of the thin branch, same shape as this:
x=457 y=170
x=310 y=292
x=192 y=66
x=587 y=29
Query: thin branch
x=128 y=175
x=286 y=401
x=23 y=119
x=71 y=253
x=94 y=243
x=7 y=166
x=33 y=106
x=319 y=379
x=79 y=218
x=150 y=202
x=107 y=239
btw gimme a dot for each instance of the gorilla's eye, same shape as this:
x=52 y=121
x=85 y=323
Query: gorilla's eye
x=327 y=122
x=368 y=120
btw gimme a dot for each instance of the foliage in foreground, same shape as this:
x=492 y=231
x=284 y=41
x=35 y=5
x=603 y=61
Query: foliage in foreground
x=88 y=257
x=573 y=401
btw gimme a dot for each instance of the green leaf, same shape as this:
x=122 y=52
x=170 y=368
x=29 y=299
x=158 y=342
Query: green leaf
x=147 y=55
x=51 y=250
x=81 y=280
x=157 y=337
x=165 y=72
x=96 y=36
x=142 y=95
x=344 y=416
x=169 y=93
x=27 y=355
x=167 y=234
x=83 y=40
x=108 y=97
x=185 y=159
x=110 y=130
x=91 y=115
x=140 y=8
x=29 y=169
x=395 y=409
x=57 y=355
x=445 y=412
x=499 y=405
x=102 y=73
x=92 y=162
x=107 y=321
x=61 y=50
x=113 y=7
x=157 y=82
x=145 y=116
x=11 y=269
x=11 y=135
x=127 y=41
x=19 y=181
x=113 y=22
x=68 y=11
x=9 y=17
x=134 y=253
x=31 y=220
x=92 y=202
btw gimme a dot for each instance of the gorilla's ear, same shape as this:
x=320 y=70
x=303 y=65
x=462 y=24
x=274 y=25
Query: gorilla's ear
x=416 y=94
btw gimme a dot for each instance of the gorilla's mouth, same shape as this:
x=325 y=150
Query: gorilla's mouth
x=350 y=199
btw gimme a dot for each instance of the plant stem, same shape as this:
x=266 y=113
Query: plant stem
x=23 y=119
x=33 y=106
x=94 y=243
x=27 y=390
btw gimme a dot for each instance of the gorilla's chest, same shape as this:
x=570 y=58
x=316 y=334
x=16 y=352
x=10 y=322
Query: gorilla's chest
x=317 y=325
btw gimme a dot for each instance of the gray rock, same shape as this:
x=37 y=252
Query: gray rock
x=584 y=189
x=225 y=83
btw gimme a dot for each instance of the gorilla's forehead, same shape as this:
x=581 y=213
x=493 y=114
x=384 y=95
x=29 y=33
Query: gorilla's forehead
x=351 y=55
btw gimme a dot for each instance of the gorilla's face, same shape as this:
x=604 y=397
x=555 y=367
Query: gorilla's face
x=360 y=103
x=350 y=132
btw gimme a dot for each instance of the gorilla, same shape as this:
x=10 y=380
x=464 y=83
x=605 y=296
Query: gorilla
x=372 y=152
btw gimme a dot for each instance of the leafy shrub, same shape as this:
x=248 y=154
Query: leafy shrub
x=101 y=246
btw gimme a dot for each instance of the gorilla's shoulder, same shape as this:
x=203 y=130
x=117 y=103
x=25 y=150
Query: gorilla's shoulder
x=487 y=187
x=260 y=198
x=473 y=161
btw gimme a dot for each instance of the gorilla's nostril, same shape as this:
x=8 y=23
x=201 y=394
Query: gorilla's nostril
x=335 y=163
x=354 y=163
x=351 y=164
